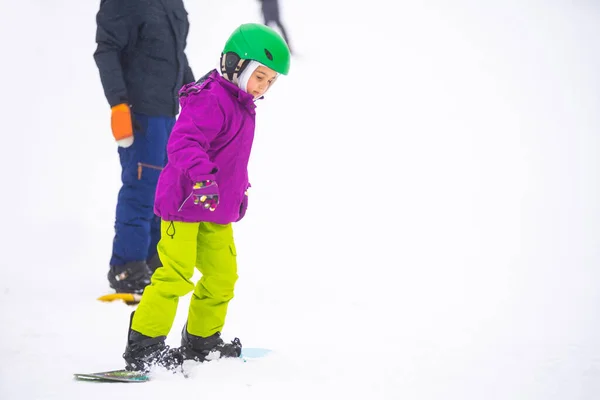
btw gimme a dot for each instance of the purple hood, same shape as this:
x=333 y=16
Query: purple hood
x=211 y=139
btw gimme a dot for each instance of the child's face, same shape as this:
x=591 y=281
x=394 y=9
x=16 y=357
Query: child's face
x=260 y=81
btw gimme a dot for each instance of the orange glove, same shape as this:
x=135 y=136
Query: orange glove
x=120 y=123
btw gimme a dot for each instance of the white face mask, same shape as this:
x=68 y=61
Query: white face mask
x=244 y=77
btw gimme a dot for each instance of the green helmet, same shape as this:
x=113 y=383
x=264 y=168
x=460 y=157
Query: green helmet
x=260 y=43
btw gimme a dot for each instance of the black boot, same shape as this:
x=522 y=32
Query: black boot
x=143 y=352
x=205 y=349
x=132 y=277
x=154 y=263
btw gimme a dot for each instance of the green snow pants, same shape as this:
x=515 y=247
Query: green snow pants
x=210 y=248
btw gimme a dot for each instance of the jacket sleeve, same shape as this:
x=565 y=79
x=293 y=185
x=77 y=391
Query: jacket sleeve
x=188 y=75
x=112 y=35
x=199 y=123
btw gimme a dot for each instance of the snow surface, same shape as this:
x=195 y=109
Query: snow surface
x=423 y=221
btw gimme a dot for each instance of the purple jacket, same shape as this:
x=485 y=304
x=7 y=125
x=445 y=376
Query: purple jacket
x=211 y=139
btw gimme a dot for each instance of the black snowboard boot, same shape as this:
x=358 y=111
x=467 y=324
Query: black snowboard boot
x=132 y=277
x=143 y=352
x=154 y=263
x=210 y=348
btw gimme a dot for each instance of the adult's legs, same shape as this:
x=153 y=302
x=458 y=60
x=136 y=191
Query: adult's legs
x=140 y=167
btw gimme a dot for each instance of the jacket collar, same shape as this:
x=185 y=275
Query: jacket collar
x=243 y=97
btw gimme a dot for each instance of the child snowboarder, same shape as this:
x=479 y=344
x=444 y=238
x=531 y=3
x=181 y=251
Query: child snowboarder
x=201 y=191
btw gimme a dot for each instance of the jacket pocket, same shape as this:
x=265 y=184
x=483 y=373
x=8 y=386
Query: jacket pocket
x=178 y=193
x=188 y=200
x=141 y=166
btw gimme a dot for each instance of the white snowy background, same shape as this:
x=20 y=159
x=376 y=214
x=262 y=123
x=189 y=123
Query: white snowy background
x=423 y=222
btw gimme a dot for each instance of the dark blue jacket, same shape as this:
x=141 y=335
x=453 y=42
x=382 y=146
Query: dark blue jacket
x=141 y=54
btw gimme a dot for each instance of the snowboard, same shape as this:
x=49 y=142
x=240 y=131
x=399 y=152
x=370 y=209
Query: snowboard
x=119 y=375
x=123 y=375
x=128 y=298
